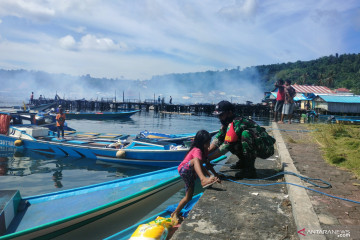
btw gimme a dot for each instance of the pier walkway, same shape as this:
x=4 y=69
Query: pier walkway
x=112 y=105
x=234 y=211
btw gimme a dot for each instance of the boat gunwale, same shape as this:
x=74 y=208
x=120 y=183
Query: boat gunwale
x=108 y=206
x=84 y=146
x=101 y=113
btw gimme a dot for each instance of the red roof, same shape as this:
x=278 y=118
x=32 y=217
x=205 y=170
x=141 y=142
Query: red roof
x=311 y=89
x=342 y=90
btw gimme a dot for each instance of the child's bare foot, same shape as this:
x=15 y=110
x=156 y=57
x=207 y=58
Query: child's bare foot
x=207 y=182
x=177 y=218
x=280 y=122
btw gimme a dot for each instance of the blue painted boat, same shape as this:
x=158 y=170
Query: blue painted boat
x=41 y=107
x=107 y=148
x=126 y=233
x=100 y=115
x=89 y=212
x=174 y=138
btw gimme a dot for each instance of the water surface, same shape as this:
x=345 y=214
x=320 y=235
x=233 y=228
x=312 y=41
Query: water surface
x=35 y=173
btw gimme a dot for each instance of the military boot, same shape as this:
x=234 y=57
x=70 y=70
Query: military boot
x=249 y=171
x=240 y=164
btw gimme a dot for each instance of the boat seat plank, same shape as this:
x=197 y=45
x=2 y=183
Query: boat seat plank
x=85 y=136
x=91 y=133
x=106 y=136
x=69 y=132
x=99 y=144
x=58 y=140
x=78 y=142
x=111 y=134
x=108 y=140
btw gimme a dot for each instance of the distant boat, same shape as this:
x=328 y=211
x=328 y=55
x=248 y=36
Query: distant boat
x=41 y=107
x=100 y=115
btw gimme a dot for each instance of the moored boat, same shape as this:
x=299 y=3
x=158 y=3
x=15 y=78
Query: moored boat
x=100 y=115
x=92 y=211
x=104 y=147
x=126 y=233
x=174 y=138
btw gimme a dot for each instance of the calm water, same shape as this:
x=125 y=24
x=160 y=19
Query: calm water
x=34 y=173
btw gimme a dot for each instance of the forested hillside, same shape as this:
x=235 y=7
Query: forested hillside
x=332 y=71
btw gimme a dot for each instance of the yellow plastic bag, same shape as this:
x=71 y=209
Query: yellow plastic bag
x=154 y=230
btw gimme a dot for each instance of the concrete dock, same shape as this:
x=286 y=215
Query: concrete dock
x=231 y=210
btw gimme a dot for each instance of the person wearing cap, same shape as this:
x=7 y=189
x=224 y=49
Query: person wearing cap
x=58 y=109
x=235 y=136
x=60 y=121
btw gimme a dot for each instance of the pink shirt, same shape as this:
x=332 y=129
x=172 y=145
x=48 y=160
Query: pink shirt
x=194 y=153
x=280 y=94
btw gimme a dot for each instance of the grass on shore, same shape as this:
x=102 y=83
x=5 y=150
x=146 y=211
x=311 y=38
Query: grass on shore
x=341 y=145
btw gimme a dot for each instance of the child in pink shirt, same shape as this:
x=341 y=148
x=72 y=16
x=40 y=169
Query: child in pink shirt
x=192 y=166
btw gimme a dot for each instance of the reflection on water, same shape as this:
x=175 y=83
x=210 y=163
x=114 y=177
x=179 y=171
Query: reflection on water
x=57 y=175
x=154 y=122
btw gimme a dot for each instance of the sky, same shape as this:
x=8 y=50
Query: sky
x=138 y=39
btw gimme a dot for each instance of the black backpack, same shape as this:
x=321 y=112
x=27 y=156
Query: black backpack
x=264 y=143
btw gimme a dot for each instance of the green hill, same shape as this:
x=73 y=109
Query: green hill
x=332 y=71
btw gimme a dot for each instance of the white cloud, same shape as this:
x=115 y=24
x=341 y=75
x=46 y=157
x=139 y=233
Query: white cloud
x=67 y=42
x=34 y=10
x=242 y=9
x=91 y=42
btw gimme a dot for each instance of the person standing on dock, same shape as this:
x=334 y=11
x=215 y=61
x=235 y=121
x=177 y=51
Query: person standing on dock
x=40 y=99
x=289 y=104
x=60 y=121
x=31 y=98
x=235 y=136
x=170 y=100
x=279 y=99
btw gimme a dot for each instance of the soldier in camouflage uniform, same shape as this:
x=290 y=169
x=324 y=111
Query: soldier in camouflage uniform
x=237 y=137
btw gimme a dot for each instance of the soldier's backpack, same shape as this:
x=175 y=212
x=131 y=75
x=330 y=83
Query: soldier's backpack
x=261 y=143
x=264 y=143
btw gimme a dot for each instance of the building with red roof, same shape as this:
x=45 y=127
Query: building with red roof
x=312 y=89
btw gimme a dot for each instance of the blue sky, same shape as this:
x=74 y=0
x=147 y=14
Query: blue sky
x=137 y=39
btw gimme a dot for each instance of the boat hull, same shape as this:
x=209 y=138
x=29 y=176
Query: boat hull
x=126 y=233
x=100 y=115
x=127 y=216
x=140 y=156
x=81 y=215
x=173 y=138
